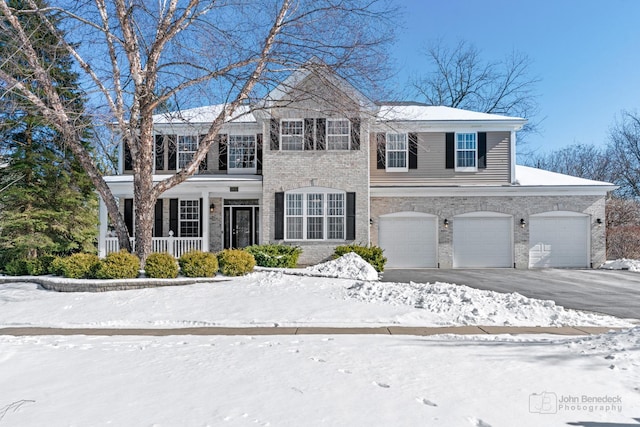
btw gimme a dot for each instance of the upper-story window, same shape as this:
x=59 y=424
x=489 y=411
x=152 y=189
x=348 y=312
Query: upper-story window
x=292 y=135
x=338 y=133
x=187 y=146
x=242 y=153
x=397 y=152
x=466 y=152
x=315 y=215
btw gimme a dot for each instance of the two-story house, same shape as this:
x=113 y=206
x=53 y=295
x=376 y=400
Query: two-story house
x=318 y=165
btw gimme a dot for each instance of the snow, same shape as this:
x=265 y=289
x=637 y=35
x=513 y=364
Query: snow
x=268 y=298
x=528 y=176
x=622 y=264
x=319 y=380
x=438 y=113
x=294 y=380
x=348 y=266
x=206 y=114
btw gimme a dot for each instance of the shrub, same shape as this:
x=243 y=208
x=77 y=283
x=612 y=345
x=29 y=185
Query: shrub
x=161 y=265
x=372 y=254
x=76 y=266
x=16 y=267
x=236 y=262
x=282 y=256
x=118 y=265
x=198 y=264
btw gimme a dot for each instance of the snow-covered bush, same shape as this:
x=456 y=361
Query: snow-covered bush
x=372 y=254
x=118 y=265
x=279 y=256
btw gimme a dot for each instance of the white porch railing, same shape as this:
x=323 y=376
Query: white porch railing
x=176 y=246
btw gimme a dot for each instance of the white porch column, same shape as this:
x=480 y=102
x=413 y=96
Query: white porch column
x=205 y=221
x=103 y=220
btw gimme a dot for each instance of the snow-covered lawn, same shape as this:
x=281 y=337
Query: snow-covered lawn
x=319 y=380
x=310 y=380
x=268 y=298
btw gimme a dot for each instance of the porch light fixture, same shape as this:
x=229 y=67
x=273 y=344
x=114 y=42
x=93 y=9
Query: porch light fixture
x=212 y=208
x=370 y=221
x=599 y=222
x=445 y=223
x=523 y=223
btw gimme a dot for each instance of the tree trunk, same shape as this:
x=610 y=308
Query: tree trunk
x=144 y=199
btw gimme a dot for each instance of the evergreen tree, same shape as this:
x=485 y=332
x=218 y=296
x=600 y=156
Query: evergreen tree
x=47 y=202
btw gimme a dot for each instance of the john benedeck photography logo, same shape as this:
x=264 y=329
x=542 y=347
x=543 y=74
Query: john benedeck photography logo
x=552 y=403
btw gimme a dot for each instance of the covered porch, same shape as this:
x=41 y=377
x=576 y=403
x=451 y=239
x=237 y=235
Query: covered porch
x=191 y=216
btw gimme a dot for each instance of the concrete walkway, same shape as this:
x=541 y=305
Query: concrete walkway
x=311 y=330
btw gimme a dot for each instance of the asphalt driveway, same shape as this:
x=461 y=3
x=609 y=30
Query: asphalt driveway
x=613 y=292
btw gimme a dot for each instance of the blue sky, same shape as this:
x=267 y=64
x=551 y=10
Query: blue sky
x=586 y=53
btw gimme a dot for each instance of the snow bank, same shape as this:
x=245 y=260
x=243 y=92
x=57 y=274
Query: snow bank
x=348 y=266
x=463 y=305
x=622 y=264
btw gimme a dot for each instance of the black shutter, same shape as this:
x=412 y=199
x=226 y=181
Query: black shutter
x=355 y=133
x=482 y=150
x=413 y=151
x=173 y=217
x=275 y=135
x=450 y=150
x=201 y=218
x=351 y=216
x=204 y=164
x=172 y=146
x=222 y=151
x=259 y=154
x=227 y=225
x=157 y=219
x=321 y=130
x=308 y=134
x=128 y=215
x=128 y=160
x=159 y=152
x=381 y=147
x=279 y=211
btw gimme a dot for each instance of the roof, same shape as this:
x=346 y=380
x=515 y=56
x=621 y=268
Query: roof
x=528 y=176
x=420 y=112
x=205 y=114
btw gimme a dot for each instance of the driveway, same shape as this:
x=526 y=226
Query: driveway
x=613 y=292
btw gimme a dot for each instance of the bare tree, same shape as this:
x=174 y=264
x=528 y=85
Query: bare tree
x=624 y=148
x=461 y=78
x=581 y=160
x=136 y=56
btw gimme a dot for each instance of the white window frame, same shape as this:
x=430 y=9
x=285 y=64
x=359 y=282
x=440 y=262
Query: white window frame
x=393 y=149
x=291 y=136
x=230 y=164
x=458 y=150
x=193 y=204
x=180 y=153
x=337 y=210
x=332 y=138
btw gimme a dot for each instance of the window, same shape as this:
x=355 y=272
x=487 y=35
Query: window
x=338 y=133
x=242 y=152
x=291 y=135
x=187 y=146
x=315 y=216
x=189 y=218
x=466 y=152
x=397 y=152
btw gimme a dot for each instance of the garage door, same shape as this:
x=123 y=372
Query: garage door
x=482 y=239
x=409 y=240
x=559 y=239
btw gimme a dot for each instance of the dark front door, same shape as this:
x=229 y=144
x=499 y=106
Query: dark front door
x=241 y=227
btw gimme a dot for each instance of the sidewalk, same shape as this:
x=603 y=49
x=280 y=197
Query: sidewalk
x=312 y=330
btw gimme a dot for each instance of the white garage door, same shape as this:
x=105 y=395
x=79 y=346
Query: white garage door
x=558 y=240
x=482 y=239
x=409 y=240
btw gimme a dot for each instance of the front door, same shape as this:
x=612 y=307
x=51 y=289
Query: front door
x=241 y=226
